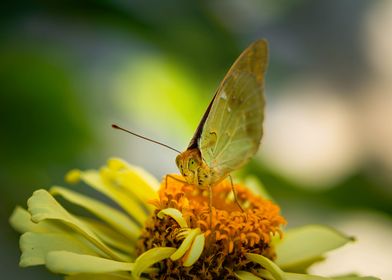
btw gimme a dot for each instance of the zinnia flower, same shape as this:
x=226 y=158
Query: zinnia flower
x=165 y=232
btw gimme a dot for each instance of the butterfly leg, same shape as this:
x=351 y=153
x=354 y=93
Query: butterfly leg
x=210 y=203
x=174 y=178
x=235 y=194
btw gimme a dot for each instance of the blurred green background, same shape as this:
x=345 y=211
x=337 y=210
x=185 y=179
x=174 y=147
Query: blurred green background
x=69 y=69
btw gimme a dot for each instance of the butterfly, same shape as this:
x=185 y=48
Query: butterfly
x=231 y=129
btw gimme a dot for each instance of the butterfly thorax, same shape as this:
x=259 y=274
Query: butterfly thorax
x=194 y=169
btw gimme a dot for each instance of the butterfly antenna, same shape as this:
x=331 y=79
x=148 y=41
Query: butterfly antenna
x=145 y=138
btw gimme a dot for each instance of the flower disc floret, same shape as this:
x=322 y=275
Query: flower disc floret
x=228 y=237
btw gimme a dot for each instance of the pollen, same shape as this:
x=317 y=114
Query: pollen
x=230 y=235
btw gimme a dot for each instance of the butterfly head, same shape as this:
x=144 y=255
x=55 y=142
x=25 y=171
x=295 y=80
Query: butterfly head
x=189 y=163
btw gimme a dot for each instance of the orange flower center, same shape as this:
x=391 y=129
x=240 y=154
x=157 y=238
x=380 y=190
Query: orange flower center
x=231 y=234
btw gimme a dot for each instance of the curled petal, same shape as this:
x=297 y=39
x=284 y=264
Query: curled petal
x=246 y=275
x=185 y=244
x=182 y=233
x=148 y=258
x=264 y=274
x=43 y=206
x=20 y=220
x=175 y=214
x=276 y=272
x=36 y=246
x=195 y=251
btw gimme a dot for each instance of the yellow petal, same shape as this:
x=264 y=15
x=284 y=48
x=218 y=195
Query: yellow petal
x=35 y=246
x=136 y=180
x=73 y=176
x=71 y=263
x=245 y=275
x=355 y=278
x=102 y=184
x=113 y=217
x=302 y=267
x=20 y=220
x=311 y=240
x=255 y=185
x=296 y=276
x=110 y=237
x=175 y=214
x=195 y=251
x=182 y=233
x=276 y=272
x=264 y=274
x=185 y=244
x=93 y=276
x=117 y=164
x=129 y=183
x=150 y=257
x=43 y=206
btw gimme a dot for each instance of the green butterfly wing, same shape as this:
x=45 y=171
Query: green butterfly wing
x=231 y=129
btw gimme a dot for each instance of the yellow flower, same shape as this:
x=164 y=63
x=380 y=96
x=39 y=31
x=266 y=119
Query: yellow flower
x=164 y=231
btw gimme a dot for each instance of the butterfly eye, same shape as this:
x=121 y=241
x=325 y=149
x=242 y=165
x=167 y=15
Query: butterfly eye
x=192 y=164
